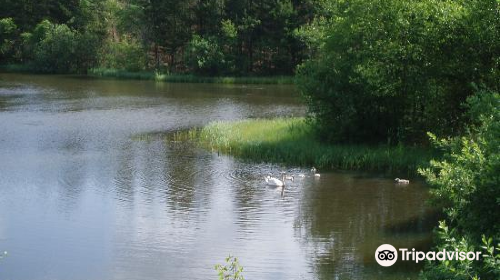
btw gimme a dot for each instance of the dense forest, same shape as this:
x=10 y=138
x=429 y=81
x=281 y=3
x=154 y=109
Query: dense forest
x=209 y=37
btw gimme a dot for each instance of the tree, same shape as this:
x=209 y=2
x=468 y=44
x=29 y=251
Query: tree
x=8 y=34
x=56 y=51
x=170 y=26
x=388 y=71
x=56 y=48
x=28 y=13
x=205 y=56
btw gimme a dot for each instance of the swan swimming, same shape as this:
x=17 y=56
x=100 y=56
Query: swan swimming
x=313 y=171
x=401 y=181
x=274 y=182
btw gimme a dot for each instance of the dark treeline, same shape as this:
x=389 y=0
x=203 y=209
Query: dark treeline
x=210 y=37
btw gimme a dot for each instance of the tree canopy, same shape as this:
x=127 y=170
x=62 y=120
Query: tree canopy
x=250 y=37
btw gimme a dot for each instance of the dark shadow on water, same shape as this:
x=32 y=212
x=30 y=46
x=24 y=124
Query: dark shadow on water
x=422 y=223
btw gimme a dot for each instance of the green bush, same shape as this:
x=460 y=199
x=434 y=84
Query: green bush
x=56 y=48
x=232 y=270
x=124 y=55
x=56 y=51
x=466 y=182
x=205 y=56
x=390 y=70
x=8 y=34
x=448 y=239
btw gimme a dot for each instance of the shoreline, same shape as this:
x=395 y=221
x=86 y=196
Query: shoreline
x=105 y=73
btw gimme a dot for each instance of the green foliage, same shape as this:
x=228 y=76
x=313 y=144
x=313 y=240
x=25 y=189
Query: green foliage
x=55 y=52
x=8 y=34
x=16 y=68
x=447 y=240
x=56 y=48
x=126 y=55
x=27 y=13
x=232 y=270
x=491 y=257
x=169 y=23
x=205 y=56
x=466 y=182
x=488 y=267
x=240 y=38
x=292 y=141
x=228 y=30
x=389 y=71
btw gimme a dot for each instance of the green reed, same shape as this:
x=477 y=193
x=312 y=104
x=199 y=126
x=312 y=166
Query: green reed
x=292 y=141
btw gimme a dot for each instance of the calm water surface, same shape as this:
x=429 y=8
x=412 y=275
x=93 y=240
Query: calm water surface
x=90 y=189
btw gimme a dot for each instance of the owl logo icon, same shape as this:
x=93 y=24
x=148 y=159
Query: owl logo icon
x=386 y=255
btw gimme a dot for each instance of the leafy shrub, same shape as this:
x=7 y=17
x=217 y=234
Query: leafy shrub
x=56 y=48
x=124 y=55
x=56 y=51
x=8 y=32
x=488 y=267
x=467 y=184
x=232 y=270
x=205 y=56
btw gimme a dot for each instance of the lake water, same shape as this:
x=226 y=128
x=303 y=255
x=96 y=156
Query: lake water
x=91 y=189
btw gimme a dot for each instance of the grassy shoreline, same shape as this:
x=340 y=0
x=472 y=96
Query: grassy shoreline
x=106 y=73
x=291 y=141
x=17 y=68
x=186 y=78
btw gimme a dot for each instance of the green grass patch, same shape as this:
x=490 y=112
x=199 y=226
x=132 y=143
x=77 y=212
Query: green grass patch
x=17 y=68
x=291 y=141
x=186 y=78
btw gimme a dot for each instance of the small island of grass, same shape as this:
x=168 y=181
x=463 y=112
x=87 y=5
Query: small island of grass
x=292 y=141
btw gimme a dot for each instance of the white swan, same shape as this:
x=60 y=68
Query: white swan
x=401 y=181
x=313 y=171
x=274 y=182
x=302 y=175
x=289 y=177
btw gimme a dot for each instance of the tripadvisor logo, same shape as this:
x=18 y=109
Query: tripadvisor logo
x=387 y=255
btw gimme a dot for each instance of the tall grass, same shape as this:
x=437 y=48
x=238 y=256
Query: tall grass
x=17 y=68
x=186 y=78
x=292 y=141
